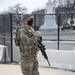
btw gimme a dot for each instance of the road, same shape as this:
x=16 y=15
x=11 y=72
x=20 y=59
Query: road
x=12 y=69
x=63 y=45
x=61 y=36
x=51 y=42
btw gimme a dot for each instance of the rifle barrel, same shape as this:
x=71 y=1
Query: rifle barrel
x=48 y=62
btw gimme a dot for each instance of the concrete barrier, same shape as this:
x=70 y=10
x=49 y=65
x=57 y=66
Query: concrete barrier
x=16 y=52
x=59 y=59
x=4 y=54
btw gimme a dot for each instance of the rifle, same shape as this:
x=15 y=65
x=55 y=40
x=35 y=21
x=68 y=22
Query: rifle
x=42 y=48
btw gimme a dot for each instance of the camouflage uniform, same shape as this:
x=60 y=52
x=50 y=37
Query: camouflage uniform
x=28 y=42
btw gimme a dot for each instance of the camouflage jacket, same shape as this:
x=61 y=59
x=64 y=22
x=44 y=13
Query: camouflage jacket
x=28 y=42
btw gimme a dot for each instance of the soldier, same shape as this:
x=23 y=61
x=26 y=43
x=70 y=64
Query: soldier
x=27 y=42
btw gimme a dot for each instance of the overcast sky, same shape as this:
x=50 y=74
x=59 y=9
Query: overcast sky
x=30 y=4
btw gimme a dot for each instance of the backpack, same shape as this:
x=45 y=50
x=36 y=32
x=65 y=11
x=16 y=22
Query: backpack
x=17 y=38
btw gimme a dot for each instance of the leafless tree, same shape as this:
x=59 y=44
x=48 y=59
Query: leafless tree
x=18 y=9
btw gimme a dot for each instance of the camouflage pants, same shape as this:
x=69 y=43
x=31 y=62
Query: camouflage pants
x=29 y=68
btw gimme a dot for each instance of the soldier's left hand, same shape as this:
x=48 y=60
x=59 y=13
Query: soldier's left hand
x=37 y=33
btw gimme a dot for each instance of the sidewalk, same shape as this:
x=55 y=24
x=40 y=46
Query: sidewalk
x=12 y=69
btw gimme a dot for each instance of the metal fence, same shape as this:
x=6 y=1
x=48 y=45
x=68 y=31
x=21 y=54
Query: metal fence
x=6 y=32
x=8 y=23
x=58 y=30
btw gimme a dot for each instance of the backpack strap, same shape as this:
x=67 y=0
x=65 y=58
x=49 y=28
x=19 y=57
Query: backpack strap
x=17 y=41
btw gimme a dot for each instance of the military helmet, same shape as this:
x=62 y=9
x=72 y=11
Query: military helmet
x=32 y=17
x=26 y=16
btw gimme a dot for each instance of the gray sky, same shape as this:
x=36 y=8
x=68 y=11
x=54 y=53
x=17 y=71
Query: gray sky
x=30 y=4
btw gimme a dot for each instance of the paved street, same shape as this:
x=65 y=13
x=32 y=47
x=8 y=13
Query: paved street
x=12 y=69
x=61 y=36
x=63 y=45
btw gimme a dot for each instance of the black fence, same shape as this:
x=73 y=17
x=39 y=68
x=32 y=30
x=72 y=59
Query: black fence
x=8 y=22
x=59 y=29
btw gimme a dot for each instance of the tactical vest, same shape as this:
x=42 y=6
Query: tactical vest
x=30 y=49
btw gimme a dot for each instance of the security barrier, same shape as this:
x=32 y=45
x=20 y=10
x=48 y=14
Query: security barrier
x=4 y=57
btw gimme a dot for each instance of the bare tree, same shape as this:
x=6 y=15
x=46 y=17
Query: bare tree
x=18 y=9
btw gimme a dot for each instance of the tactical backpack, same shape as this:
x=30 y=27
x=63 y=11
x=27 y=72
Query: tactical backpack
x=17 y=38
